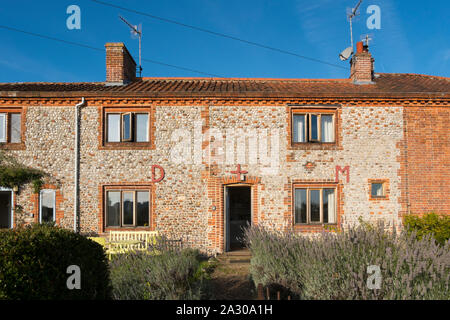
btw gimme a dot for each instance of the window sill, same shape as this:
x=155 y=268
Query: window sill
x=315 y=227
x=314 y=146
x=12 y=146
x=378 y=198
x=126 y=145
x=128 y=229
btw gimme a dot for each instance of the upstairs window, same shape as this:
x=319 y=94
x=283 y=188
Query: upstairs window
x=127 y=127
x=10 y=127
x=313 y=128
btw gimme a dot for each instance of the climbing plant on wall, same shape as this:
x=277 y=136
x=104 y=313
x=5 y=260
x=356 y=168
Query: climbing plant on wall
x=14 y=174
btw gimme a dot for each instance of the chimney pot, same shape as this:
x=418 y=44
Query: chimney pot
x=359 y=47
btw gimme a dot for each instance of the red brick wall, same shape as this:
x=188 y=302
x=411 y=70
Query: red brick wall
x=427 y=167
x=120 y=66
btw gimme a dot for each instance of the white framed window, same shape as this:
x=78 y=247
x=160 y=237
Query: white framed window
x=3 y=125
x=314 y=205
x=313 y=127
x=47 y=205
x=127 y=127
x=378 y=190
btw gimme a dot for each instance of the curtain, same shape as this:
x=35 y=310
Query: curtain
x=299 y=128
x=113 y=127
x=2 y=127
x=327 y=128
x=331 y=205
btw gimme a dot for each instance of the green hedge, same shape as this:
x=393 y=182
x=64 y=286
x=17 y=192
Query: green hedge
x=34 y=262
x=430 y=224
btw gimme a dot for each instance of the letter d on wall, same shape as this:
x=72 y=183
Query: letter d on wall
x=74 y=20
x=74 y=281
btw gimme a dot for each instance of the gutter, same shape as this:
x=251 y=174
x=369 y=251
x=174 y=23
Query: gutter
x=77 y=164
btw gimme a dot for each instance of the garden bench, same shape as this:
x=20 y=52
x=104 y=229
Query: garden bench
x=124 y=241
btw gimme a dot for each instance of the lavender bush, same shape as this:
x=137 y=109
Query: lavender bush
x=170 y=275
x=334 y=265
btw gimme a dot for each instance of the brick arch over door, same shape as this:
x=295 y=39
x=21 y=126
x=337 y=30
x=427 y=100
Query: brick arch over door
x=216 y=218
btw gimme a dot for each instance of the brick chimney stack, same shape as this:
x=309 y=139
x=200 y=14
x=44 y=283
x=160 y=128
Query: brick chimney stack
x=361 y=71
x=120 y=65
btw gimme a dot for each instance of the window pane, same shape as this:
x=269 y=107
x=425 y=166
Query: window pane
x=113 y=127
x=329 y=208
x=327 y=128
x=128 y=206
x=142 y=209
x=300 y=205
x=113 y=208
x=299 y=128
x=141 y=127
x=314 y=127
x=2 y=127
x=377 y=190
x=126 y=123
x=315 y=205
x=47 y=205
x=15 y=127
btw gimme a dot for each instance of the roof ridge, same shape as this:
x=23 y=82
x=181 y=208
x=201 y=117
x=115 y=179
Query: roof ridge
x=242 y=79
x=415 y=75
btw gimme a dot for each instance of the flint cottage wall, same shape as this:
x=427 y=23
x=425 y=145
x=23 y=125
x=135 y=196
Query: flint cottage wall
x=370 y=140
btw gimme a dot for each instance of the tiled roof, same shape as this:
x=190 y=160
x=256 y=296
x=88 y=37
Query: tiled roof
x=385 y=85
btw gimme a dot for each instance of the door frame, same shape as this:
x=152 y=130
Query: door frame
x=12 y=204
x=226 y=213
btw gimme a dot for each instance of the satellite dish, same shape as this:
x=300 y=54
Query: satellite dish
x=344 y=55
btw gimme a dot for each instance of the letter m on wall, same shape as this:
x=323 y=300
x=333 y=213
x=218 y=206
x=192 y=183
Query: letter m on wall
x=345 y=170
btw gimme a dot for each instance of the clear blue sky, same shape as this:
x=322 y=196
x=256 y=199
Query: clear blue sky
x=414 y=38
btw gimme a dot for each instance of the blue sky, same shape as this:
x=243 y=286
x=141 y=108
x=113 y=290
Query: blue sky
x=414 y=38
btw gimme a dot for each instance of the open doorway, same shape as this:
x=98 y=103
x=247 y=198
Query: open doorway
x=5 y=209
x=238 y=214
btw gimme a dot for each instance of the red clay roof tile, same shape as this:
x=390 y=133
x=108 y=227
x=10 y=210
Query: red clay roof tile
x=385 y=84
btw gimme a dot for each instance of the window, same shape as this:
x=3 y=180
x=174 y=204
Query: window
x=313 y=127
x=377 y=190
x=47 y=206
x=315 y=205
x=127 y=127
x=127 y=208
x=10 y=127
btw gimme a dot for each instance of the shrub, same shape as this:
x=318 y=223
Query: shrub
x=334 y=265
x=170 y=275
x=431 y=224
x=34 y=262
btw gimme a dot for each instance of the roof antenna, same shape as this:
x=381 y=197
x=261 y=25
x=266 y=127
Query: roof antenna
x=136 y=31
x=354 y=12
x=344 y=55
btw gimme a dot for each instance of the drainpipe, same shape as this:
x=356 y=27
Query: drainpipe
x=77 y=162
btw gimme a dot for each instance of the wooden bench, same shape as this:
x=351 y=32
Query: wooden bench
x=124 y=241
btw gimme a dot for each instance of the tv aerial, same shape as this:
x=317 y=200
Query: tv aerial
x=136 y=32
x=347 y=53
